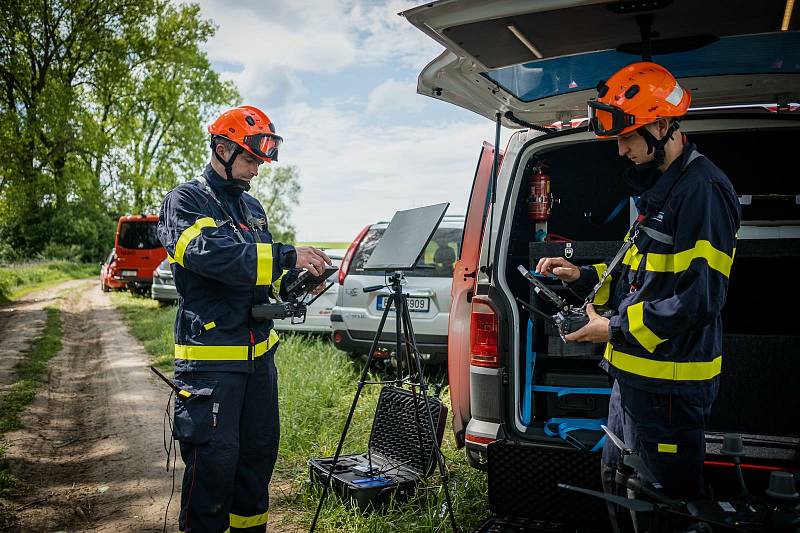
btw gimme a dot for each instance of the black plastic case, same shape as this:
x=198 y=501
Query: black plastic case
x=524 y=495
x=398 y=462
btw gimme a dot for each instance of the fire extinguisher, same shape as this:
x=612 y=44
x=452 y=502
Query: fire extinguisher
x=540 y=199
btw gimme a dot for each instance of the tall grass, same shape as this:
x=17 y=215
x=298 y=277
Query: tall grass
x=18 y=280
x=316 y=387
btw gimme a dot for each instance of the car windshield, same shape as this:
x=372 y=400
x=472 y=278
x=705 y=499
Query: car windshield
x=771 y=53
x=139 y=235
x=437 y=260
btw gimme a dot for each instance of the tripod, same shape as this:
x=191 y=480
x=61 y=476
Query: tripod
x=404 y=332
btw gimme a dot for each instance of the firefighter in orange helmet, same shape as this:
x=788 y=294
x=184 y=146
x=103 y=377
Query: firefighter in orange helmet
x=664 y=338
x=224 y=261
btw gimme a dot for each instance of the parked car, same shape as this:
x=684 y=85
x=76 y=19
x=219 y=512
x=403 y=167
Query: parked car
x=138 y=251
x=357 y=314
x=520 y=62
x=318 y=314
x=163 y=288
x=109 y=277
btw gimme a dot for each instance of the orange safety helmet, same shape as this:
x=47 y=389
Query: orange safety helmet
x=638 y=94
x=251 y=129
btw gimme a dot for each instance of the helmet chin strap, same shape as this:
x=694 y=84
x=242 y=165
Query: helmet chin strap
x=656 y=146
x=241 y=184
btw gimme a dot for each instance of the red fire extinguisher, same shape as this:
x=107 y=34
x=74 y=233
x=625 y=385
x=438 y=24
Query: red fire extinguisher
x=540 y=199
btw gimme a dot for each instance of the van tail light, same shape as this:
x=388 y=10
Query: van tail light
x=483 y=332
x=348 y=256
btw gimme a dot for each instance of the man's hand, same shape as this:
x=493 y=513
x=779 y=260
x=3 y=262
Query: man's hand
x=559 y=267
x=311 y=259
x=595 y=331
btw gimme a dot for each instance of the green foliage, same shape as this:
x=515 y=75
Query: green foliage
x=316 y=387
x=101 y=113
x=30 y=372
x=278 y=189
x=19 y=279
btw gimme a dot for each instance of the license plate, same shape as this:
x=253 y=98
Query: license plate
x=415 y=304
x=129 y=273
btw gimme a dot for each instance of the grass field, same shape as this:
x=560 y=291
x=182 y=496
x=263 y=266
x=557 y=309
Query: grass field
x=18 y=280
x=316 y=387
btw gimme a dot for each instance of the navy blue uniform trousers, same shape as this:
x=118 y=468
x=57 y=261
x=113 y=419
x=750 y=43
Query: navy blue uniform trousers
x=228 y=437
x=667 y=431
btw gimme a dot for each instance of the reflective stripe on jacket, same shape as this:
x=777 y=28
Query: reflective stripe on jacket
x=219 y=275
x=668 y=292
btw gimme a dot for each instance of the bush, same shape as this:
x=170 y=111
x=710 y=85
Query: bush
x=63 y=252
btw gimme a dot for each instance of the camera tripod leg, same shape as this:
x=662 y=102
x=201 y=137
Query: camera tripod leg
x=412 y=352
x=437 y=450
x=359 y=387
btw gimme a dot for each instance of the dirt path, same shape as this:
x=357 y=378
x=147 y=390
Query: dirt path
x=91 y=453
x=22 y=321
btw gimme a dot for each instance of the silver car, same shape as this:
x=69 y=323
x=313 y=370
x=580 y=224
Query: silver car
x=357 y=314
x=318 y=314
x=163 y=288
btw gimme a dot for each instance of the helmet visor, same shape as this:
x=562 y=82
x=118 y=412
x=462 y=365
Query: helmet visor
x=264 y=145
x=607 y=120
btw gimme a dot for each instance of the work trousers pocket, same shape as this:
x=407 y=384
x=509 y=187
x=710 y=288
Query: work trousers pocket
x=195 y=410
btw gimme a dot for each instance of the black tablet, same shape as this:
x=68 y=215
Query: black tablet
x=307 y=280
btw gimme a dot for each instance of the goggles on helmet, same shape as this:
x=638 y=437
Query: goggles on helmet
x=264 y=145
x=608 y=120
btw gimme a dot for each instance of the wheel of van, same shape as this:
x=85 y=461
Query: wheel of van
x=104 y=287
x=474 y=459
x=163 y=303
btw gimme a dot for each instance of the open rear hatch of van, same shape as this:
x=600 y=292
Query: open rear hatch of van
x=541 y=61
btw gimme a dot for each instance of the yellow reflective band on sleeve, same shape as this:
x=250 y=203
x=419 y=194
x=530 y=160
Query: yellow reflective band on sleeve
x=716 y=259
x=263 y=264
x=189 y=234
x=210 y=325
x=185 y=393
x=224 y=353
x=667 y=448
x=604 y=293
x=670 y=370
x=170 y=259
x=243 y=522
x=639 y=330
x=276 y=285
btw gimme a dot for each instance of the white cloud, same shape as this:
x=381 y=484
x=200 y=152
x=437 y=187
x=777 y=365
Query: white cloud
x=393 y=96
x=310 y=36
x=361 y=158
x=355 y=172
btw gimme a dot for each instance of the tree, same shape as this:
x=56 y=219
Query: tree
x=102 y=104
x=278 y=190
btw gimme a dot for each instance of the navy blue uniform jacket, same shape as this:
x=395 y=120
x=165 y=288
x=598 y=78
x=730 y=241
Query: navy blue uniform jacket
x=219 y=277
x=666 y=331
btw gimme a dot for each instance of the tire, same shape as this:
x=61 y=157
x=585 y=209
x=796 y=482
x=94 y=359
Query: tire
x=104 y=287
x=475 y=461
x=164 y=303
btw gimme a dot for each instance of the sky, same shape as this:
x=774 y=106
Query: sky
x=338 y=79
